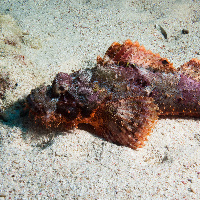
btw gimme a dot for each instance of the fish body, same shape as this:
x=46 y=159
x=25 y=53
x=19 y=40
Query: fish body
x=121 y=97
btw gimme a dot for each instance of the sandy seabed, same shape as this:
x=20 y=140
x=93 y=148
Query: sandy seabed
x=50 y=36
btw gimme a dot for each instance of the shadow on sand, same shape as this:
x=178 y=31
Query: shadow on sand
x=17 y=115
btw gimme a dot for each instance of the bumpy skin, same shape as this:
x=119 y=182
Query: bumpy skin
x=121 y=97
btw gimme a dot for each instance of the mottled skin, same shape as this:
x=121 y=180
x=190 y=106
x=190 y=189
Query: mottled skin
x=120 y=97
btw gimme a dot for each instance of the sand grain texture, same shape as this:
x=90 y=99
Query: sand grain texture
x=63 y=36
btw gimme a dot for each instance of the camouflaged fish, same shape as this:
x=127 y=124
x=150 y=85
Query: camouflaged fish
x=121 y=97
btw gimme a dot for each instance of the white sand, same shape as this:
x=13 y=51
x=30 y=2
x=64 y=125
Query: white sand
x=78 y=165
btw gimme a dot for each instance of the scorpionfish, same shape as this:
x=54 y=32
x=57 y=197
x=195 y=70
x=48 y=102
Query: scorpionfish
x=121 y=97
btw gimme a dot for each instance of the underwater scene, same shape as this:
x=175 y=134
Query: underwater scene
x=99 y=99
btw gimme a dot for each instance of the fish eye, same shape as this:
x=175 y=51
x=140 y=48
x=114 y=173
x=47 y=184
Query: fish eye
x=61 y=88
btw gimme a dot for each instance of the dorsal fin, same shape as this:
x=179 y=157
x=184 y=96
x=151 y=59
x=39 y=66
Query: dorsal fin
x=191 y=69
x=133 y=53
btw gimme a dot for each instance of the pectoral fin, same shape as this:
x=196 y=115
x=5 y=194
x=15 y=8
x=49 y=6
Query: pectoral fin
x=126 y=122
